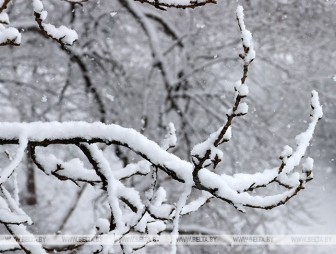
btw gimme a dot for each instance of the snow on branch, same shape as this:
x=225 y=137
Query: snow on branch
x=8 y=171
x=232 y=189
x=63 y=35
x=206 y=153
x=13 y=217
x=150 y=213
x=11 y=36
x=170 y=139
x=80 y=2
x=164 y=4
x=8 y=35
x=246 y=37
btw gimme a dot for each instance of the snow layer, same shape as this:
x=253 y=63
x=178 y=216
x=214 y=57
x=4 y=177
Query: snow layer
x=39 y=131
x=62 y=33
x=9 y=34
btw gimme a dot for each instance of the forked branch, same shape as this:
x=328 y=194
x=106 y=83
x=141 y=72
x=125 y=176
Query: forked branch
x=150 y=214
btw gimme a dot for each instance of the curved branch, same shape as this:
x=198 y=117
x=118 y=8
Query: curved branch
x=163 y=4
x=62 y=35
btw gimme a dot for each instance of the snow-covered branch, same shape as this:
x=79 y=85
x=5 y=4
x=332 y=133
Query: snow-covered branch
x=8 y=35
x=164 y=4
x=206 y=153
x=13 y=217
x=232 y=189
x=63 y=35
x=149 y=213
